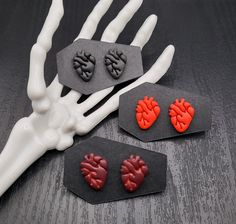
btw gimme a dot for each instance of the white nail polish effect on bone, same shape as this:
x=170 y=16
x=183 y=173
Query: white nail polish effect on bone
x=57 y=119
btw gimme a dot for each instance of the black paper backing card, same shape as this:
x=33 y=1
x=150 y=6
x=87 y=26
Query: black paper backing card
x=162 y=128
x=101 y=78
x=114 y=153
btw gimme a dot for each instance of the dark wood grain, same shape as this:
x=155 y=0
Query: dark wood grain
x=201 y=177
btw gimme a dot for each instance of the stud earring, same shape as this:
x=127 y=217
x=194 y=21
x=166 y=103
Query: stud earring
x=94 y=169
x=147 y=111
x=115 y=61
x=181 y=115
x=133 y=171
x=84 y=64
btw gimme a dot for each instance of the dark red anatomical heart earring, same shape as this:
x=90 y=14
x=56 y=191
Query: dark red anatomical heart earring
x=133 y=171
x=94 y=169
x=147 y=111
x=181 y=114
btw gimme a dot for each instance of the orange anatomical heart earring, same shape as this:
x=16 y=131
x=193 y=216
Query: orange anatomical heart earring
x=147 y=111
x=181 y=114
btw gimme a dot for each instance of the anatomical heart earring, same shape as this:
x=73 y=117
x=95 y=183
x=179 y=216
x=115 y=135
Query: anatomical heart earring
x=94 y=169
x=133 y=171
x=181 y=114
x=147 y=111
x=115 y=61
x=84 y=64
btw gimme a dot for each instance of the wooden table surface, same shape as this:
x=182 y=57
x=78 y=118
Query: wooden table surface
x=201 y=167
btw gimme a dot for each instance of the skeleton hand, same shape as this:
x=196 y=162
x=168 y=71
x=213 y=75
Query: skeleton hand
x=55 y=119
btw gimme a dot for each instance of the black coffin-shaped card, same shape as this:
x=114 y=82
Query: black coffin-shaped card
x=151 y=112
x=110 y=166
x=88 y=66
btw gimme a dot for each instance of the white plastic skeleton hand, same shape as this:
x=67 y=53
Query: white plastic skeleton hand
x=55 y=119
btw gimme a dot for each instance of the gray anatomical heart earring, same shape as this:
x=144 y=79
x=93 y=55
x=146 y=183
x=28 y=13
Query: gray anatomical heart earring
x=84 y=64
x=115 y=62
